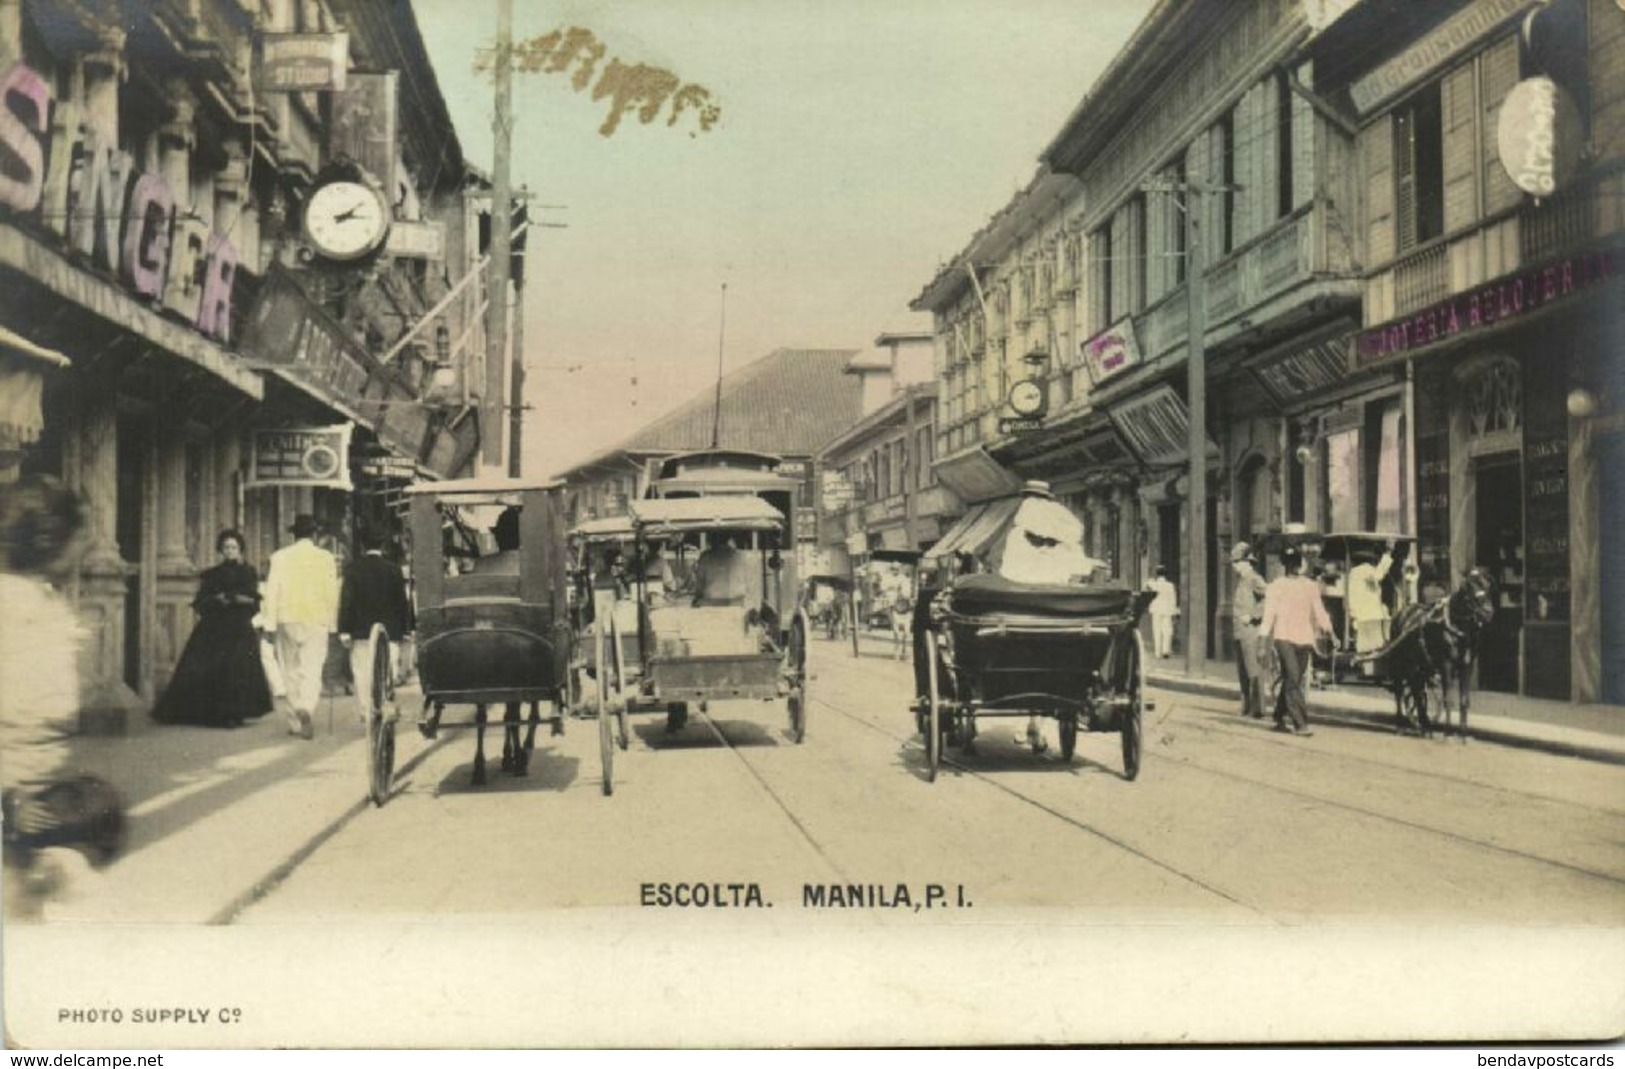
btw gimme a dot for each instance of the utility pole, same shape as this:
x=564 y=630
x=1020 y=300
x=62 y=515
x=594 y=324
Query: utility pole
x=1196 y=607
x=516 y=399
x=496 y=313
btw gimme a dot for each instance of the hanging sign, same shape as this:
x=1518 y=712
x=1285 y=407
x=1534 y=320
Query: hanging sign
x=1112 y=351
x=1538 y=136
x=303 y=62
x=302 y=456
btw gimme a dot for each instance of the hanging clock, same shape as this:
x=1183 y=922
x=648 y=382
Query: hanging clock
x=346 y=219
x=1026 y=398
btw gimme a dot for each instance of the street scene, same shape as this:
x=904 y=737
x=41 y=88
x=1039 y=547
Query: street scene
x=777 y=507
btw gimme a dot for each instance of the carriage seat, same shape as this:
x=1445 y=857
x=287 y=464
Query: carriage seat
x=988 y=594
x=702 y=630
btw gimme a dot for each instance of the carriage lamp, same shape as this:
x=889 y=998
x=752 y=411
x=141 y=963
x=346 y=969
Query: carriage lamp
x=443 y=379
x=1582 y=403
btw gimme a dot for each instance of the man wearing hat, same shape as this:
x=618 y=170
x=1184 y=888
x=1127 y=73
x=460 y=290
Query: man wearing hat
x=300 y=609
x=1247 y=611
x=1294 y=619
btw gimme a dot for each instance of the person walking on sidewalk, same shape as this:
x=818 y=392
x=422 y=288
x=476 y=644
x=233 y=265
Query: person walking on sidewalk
x=1164 y=607
x=1247 y=611
x=220 y=680
x=1294 y=618
x=301 y=606
x=374 y=592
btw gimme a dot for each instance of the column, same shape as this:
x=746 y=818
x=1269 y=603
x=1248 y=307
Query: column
x=173 y=558
x=11 y=31
x=176 y=139
x=1585 y=551
x=235 y=217
x=104 y=70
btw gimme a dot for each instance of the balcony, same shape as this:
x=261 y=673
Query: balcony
x=1422 y=278
x=1291 y=254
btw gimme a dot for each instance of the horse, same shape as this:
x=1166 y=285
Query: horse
x=1437 y=645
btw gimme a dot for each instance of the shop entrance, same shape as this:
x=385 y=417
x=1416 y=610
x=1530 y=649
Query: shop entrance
x=1498 y=492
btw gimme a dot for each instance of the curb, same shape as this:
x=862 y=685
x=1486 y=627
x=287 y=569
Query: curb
x=1501 y=736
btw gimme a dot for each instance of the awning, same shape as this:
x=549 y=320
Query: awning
x=607 y=529
x=670 y=515
x=977 y=529
x=482 y=490
x=23 y=366
x=975 y=476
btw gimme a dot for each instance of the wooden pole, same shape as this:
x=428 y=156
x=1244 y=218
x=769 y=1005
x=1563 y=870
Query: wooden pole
x=496 y=311
x=1196 y=607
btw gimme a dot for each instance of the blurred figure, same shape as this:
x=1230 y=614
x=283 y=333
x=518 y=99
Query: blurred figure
x=374 y=592
x=52 y=826
x=1164 y=607
x=1294 y=619
x=1247 y=612
x=1367 y=612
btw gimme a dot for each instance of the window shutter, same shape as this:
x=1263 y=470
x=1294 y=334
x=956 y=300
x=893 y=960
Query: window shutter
x=1207 y=159
x=1303 y=151
x=1122 y=262
x=1160 y=207
x=1376 y=149
x=1404 y=164
x=1459 y=105
x=1268 y=198
x=1498 y=68
x=1246 y=165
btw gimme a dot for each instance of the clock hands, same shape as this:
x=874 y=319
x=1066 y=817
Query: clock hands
x=350 y=213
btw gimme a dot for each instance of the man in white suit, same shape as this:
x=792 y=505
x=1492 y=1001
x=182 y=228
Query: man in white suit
x=300 y=610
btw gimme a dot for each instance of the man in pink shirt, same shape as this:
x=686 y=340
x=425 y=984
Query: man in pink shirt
x=1294 y=617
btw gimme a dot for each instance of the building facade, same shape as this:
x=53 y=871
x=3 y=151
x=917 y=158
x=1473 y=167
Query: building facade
x=219 y=372
x=1491 y=161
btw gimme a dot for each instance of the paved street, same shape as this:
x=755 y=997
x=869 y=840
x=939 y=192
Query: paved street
x=1227 y=822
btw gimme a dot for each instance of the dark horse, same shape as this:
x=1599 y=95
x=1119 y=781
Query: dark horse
x=1435 y=645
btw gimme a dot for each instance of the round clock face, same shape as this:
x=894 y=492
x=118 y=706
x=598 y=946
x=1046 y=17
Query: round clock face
x=1027 y=397
x=345 y=220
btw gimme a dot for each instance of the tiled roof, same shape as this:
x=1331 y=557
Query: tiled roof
x=791 y=401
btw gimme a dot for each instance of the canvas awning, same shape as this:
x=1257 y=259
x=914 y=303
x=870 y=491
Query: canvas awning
x=23 y=366
x=977 y=529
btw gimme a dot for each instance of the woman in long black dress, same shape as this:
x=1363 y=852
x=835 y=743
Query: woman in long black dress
x=220 y=681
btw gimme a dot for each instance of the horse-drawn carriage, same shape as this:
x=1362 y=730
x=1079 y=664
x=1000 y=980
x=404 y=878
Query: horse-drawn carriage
x=488 y=569
x=1018 y=628
x=667 y=634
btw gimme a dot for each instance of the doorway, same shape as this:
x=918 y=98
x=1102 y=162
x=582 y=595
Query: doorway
x=1498 y=523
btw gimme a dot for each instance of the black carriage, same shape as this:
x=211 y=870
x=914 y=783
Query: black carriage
x=1002 y=642
x=489 y=573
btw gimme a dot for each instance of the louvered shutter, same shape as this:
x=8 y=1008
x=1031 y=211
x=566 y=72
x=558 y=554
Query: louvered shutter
x=1498 y=74
x=1376 y=151
x=1459 y=106
x=1303 y=151
x=1159 y=241
x=1245 y=151
x=1267 y=107
x=1122 y=262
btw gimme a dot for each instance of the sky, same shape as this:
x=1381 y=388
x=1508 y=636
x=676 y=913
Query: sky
x=860 y=145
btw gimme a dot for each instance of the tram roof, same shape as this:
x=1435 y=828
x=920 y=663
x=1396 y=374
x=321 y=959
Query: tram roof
x=662 y=515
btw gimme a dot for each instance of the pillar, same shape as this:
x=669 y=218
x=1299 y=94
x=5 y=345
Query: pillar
x=1585 y=552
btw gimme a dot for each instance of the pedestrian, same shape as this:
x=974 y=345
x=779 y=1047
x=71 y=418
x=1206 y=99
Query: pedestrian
x=219 y=680
x=54 y=824
x=1164 y=607
x=1294 y=619
x=374 y=592
x=300 y=609
x=1247 y=611
x=1367 y=611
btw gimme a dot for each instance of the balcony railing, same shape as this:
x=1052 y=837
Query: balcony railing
x=1421 y=279
x=1559 y=224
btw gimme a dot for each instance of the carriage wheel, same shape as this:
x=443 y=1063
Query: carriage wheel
x=380 y=727
x=1069 y=735
x=933 y=725
x=606 y=745
x=797 y=655
x=623 y=738
x=1133 y=710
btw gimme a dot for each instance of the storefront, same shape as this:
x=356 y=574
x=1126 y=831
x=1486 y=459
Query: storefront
x=1514 y=381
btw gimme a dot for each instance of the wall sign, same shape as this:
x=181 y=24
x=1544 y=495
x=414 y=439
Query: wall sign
x=302 y=456
x=1506 y=298
x=303 y=62
x=1306 y=370
x=1539 y=136
x=1432 y=52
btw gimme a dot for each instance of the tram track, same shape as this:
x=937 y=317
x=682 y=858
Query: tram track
x=1317 y=798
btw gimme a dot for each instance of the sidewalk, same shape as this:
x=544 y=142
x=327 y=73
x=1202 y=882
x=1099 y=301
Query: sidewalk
x=1596 y=732
x=217 y=817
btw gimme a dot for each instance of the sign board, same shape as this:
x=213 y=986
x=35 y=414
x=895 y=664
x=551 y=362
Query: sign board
x=1307 y=369
x=364 y=125
x=1539 y=136
x=1020 y=424
x=1433 y=51
x=1486 y=306
x=835 y=491
x=302 y=456
x=416 y=241
x=388 y=467
x=303 y=62
x=1112 y=351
